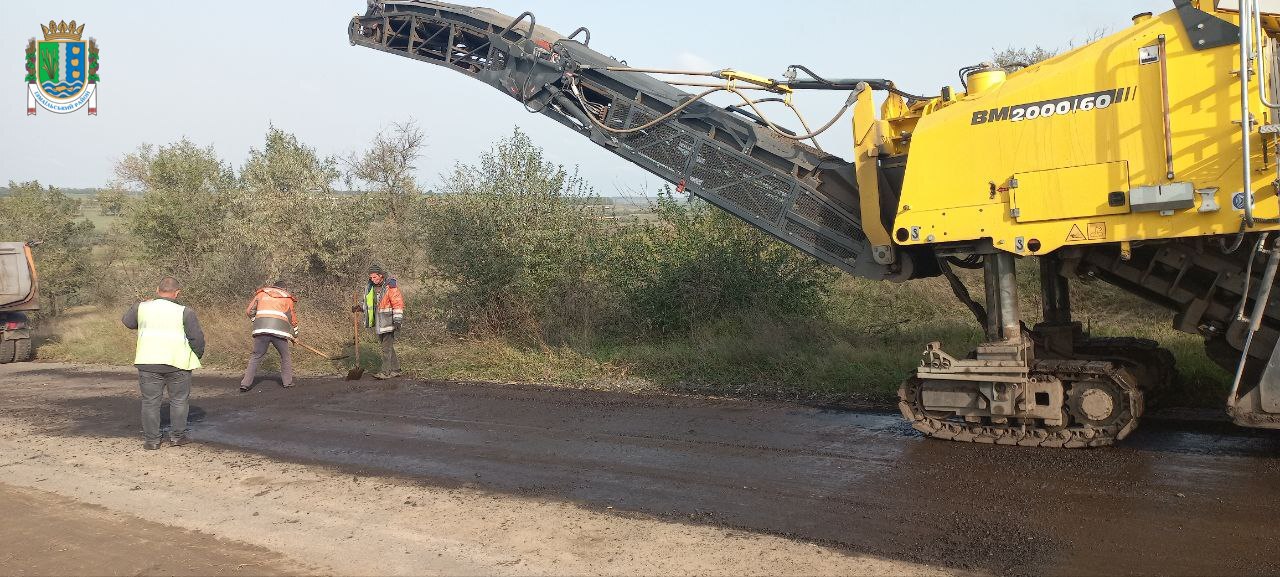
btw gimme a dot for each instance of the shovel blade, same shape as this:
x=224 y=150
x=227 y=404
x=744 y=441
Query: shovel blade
x=355 y=374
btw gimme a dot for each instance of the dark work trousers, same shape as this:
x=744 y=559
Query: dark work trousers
x=390 y=362
x=152 y=386
x=260 y=344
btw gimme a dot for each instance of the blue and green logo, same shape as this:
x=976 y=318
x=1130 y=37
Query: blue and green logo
x=62 y=70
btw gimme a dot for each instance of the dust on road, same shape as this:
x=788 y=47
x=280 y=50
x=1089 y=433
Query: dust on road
x=47 y=534
x=465 y=477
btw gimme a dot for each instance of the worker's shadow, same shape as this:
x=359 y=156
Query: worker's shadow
x=195 y=414
x=267 y=378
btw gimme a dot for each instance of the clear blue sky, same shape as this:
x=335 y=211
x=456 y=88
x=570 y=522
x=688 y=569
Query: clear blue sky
x=217 y=72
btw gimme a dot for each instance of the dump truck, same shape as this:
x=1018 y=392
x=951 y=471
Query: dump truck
x=1144 y=159
x=18 y=290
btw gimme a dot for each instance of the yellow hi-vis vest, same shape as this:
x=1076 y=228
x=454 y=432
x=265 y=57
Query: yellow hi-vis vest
x=162 y=339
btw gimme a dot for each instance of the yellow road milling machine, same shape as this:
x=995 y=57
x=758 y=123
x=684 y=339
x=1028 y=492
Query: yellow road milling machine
x=1145 y=159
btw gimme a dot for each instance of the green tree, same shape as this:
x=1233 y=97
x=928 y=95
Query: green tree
x=292 y=216
x=385 y=170
x=47 y=216
x=384 y=173
x=112 y=201
x=187 y=195
x=1014 y=58
x=512 y=239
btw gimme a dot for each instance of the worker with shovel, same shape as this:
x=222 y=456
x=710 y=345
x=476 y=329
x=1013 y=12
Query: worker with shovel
x=275 y=324
x=383 y=308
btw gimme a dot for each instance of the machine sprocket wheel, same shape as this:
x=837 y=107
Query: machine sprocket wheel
x=1096 y=403
x=1154 y=367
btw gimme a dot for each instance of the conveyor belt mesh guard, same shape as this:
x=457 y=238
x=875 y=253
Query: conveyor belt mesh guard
x=799 y=195
x=740 y=184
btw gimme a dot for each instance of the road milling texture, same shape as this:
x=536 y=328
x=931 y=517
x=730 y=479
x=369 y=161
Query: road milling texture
x=410 y=477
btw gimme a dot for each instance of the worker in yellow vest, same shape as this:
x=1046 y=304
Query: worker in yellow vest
x=170 y=344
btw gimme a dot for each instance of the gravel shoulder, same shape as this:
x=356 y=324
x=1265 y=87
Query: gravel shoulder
x=47 y=534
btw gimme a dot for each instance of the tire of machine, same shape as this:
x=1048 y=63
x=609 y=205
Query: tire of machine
x=24 y=350
x=8 y=351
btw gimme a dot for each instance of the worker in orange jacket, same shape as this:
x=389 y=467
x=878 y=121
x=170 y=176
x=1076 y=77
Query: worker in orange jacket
x=383 y=308
x=275 y=324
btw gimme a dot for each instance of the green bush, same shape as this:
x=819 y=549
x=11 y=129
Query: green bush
x=515 y=247
x=31 y=212
x=696 y=264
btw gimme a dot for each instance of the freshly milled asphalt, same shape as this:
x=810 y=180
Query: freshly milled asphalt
x=1175 y=498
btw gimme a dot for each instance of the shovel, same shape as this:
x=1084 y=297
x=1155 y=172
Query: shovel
x=318 y=352
x=357 y=371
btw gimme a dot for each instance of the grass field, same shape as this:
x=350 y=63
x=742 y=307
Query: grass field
x=870 y=336
x=92 y=212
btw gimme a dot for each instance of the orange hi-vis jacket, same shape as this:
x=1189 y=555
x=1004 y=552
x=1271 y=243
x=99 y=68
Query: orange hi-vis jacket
x=273 y=314
x=383 y=306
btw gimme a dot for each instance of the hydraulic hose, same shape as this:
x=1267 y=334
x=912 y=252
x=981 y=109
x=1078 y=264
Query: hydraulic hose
x=848 y=104
x=577 y=93
x=850 y=84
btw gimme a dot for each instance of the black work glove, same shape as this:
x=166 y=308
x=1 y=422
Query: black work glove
x=356 y=309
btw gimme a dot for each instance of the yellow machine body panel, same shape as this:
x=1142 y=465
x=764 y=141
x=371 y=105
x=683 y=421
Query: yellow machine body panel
x=1048 y=194
x=1073 y=150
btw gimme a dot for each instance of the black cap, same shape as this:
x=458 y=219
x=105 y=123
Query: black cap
x=375 y=267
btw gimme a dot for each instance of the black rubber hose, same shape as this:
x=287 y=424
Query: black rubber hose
x=962 y=293
x=850 y=84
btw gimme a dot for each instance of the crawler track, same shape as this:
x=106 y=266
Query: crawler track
x=1031 y=432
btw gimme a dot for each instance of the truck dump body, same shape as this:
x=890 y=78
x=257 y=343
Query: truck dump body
x=17 y=278
x=792 y=191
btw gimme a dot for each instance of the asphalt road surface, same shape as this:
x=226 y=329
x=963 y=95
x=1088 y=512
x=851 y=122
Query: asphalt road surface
x=1176 y=498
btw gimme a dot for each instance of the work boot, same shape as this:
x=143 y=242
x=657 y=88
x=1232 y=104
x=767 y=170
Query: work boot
x=394 y=374
x=179 y=441
x=245 y=388
x=286 y=385
x=151 y=445
x=382 y=376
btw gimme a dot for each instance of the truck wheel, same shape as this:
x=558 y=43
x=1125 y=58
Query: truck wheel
x=24 y=350
x=7 y=351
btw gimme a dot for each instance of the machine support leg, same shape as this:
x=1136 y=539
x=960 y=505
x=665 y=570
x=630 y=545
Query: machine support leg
x=991 y=282
x=1054 y=289
x=1004 y=323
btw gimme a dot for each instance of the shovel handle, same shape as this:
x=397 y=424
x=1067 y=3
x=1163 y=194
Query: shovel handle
x=355 y=329
x=309 y=348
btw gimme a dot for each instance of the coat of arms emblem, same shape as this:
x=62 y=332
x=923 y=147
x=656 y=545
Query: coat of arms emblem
x=62 y=70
